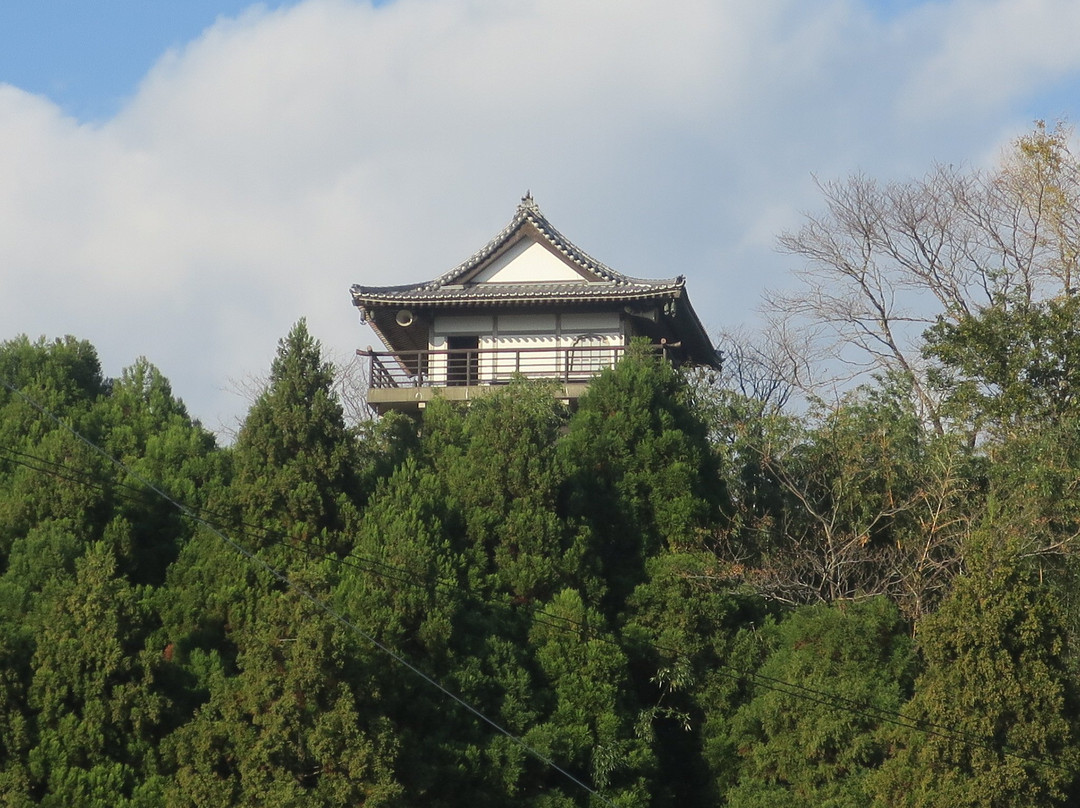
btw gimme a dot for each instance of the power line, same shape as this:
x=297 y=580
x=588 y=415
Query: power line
x=325 y=608
x=413 y=578
x=291 y=542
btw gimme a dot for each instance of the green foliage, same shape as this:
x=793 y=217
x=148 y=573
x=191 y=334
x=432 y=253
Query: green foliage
x=149 y=431
x=1011 y=381
x=590 y=729
x=16 y=721
x=276 y=719
x=682 y=629
x=58 y=375
x=812 y=731
x=505 y=476
x=93 y=691
x=643 y=477
x=410 y=556
x=79 y=541
x=455 y=549
x=997 y=696
x=284 y=731
x=613 y=585
x=1009 y=368
x=295 y=467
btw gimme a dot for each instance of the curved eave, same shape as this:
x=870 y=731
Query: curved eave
x=502 y=298
x=698 y=347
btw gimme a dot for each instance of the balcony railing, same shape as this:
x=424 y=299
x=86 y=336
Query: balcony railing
x=466 y=367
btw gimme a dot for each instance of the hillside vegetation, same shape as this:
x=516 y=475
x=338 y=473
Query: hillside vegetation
x=674 y=595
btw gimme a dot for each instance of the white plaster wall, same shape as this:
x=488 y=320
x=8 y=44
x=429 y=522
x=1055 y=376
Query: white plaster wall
x=586 y=353
x=584 y=322
x=487 y=369
x=464 y=324
x=527 y=323
x=528 y=262
x=437 y=362
x=530 y=361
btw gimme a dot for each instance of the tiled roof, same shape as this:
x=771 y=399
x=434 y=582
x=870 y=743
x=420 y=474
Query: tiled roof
x=453 y=286
x=516 y=292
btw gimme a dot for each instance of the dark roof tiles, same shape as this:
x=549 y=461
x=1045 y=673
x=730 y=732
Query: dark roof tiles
x=505 y=292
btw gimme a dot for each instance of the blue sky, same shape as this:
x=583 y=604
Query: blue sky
x=184 y=180
x=90 y=57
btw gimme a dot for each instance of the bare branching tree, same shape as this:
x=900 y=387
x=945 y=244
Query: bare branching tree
x=764 y=370
x=886 y=260
x=351 y=384
x=874 y=506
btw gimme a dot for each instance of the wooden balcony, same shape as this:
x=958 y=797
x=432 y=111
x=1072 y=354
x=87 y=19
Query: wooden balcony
x=407 y=380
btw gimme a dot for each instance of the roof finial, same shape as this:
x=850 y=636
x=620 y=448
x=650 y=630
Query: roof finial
x=528 y=203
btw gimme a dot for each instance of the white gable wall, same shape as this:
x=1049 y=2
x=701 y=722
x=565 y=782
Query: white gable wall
x=528 y=262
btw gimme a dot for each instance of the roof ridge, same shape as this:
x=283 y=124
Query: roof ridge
x=528 y=210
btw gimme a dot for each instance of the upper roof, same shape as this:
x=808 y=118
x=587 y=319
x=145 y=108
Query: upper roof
x=529 y=264
x=478 y=281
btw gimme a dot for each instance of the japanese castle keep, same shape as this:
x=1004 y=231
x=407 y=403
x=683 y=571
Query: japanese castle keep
x=529 y=302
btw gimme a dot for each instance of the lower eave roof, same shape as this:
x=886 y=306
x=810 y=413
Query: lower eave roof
x=480 y=294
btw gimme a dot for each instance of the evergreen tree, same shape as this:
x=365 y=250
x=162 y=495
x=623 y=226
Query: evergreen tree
x=996 y=695
x=286 y=729
x=97 y=706
x=501 y=471
x=282 y=722
x=295 y=463
x=643 y=476
x=813 y=729
x=591 y=729
x=454 y=549
x=148 y=429
x=682 y=635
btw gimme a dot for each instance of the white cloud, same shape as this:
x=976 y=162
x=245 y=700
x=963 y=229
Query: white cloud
x=990 y=53
x=283 y=155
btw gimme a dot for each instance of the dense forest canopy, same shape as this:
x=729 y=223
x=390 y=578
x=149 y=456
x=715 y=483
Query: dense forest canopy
x=677 y=592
